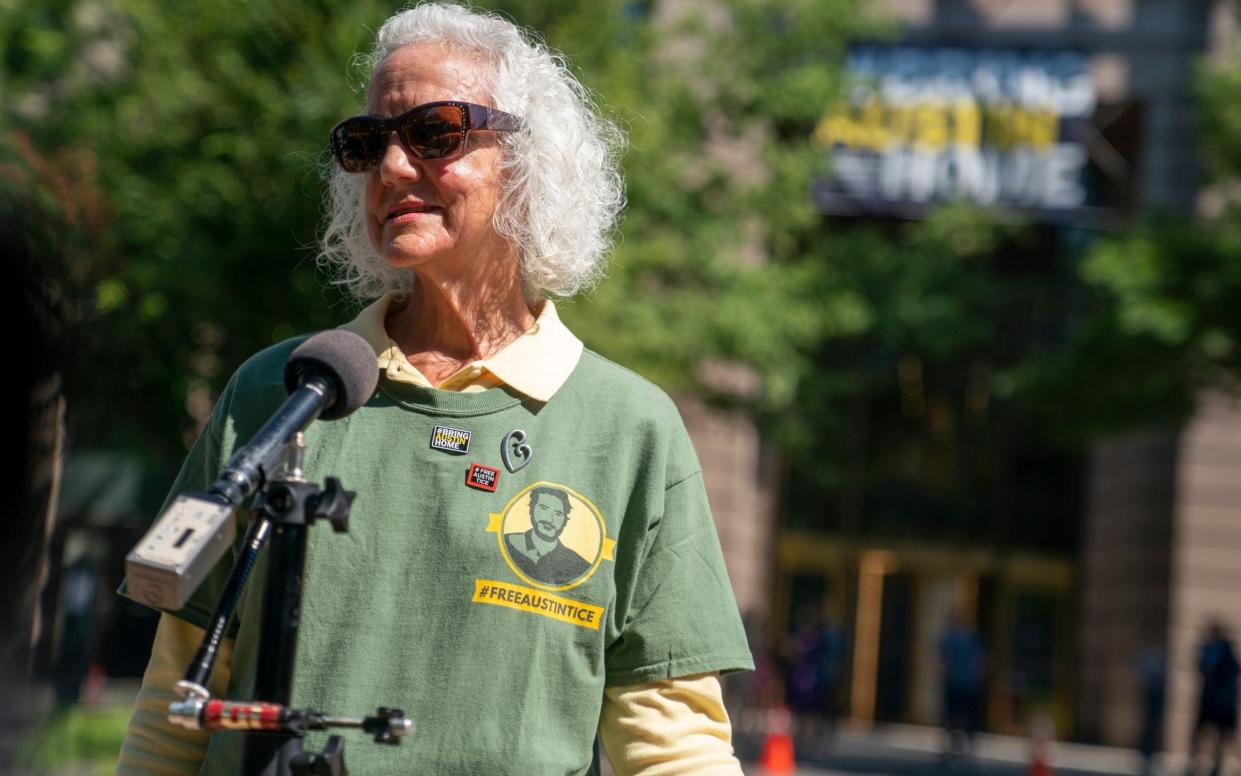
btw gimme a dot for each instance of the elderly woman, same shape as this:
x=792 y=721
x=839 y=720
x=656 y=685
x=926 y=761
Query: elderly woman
x=531 y=560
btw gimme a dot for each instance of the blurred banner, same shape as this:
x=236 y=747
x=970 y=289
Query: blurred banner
x=929 y=124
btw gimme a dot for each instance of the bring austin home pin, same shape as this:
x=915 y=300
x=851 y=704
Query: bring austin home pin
x=514 y=451
x=450 y=440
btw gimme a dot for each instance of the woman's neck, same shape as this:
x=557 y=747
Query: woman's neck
x=448 y=323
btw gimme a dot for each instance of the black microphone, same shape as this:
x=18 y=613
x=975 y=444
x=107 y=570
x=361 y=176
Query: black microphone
x=328 y=376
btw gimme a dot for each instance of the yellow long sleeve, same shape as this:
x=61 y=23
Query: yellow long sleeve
x=153 y=746
x=673 y=726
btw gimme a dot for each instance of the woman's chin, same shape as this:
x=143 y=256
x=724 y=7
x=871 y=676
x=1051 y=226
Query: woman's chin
x=407 y=259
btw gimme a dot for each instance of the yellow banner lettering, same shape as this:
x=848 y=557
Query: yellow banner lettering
x=525 y=599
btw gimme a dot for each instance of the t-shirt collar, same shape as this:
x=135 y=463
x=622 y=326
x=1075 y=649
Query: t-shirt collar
x=535 y=364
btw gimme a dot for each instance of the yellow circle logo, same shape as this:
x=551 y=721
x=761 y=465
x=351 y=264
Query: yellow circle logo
x=551 y=536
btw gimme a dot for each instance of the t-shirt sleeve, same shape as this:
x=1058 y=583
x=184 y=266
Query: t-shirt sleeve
x=199 y=470
x=683 y=618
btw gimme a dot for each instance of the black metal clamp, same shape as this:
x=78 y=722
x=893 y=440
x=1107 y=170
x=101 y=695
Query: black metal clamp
x=286 y=506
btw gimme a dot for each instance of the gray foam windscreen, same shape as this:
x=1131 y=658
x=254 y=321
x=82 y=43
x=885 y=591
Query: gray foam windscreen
x=347 y=358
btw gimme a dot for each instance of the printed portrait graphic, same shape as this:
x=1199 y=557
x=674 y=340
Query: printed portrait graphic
x=538 y=551
x=552 y=537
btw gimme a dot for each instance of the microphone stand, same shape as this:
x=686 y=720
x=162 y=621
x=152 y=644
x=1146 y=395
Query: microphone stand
x=286 y=506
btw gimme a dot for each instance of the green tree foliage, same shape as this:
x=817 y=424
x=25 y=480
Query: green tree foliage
x=183 y=142
x=719 y=246
x=903 y=368
x=1162 y=321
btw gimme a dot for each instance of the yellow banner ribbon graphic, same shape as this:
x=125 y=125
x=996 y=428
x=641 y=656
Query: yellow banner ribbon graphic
x=526 y=599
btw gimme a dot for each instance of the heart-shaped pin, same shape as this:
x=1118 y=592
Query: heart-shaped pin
x=514 y=451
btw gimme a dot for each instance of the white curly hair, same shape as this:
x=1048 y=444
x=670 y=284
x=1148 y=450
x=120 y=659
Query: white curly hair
x=563 y=192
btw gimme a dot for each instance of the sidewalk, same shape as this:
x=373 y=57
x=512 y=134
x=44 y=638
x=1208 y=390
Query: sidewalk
x=911 y=750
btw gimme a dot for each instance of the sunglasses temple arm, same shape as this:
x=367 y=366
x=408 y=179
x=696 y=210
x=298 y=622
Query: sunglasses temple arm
x=489 y=118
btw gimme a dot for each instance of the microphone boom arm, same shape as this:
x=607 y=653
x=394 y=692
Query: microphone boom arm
x=251 y=465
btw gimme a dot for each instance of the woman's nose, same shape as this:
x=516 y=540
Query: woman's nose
x=398 y=163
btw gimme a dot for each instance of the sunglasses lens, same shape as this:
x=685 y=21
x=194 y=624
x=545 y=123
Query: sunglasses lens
x=433 y=133
x=359 y=144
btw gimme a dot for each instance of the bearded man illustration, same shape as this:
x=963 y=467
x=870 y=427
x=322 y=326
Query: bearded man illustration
x=538 y=552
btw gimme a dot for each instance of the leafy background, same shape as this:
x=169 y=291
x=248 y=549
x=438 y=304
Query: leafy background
x=954 y=368
x=179 y=149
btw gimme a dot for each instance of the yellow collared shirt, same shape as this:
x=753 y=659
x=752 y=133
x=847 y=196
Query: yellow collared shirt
x=536 y=364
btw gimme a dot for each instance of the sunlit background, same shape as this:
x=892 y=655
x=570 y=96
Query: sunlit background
x=948 y=292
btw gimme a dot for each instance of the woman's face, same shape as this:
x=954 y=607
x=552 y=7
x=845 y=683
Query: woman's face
x=433 y=215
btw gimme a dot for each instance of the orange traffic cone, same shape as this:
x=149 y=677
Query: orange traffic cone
x=92 y=686
x=777 y=757
x=1040 y=761
x=1039 y=766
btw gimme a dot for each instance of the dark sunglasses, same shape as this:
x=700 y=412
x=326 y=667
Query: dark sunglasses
x=435 y=130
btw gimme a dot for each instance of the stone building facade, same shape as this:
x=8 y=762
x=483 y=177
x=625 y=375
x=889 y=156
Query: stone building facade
x=1160 y=523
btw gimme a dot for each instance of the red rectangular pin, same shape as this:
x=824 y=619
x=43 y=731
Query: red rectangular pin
x=482 y=477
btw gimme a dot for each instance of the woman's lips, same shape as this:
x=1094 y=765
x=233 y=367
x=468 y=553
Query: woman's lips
x=407 y=213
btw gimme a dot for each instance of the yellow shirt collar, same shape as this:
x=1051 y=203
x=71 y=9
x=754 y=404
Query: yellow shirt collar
x=536 y=364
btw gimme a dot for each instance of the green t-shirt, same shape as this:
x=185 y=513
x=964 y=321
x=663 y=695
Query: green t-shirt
x=491 y=596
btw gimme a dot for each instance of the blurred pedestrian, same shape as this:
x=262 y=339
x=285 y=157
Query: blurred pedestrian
x=1152 y=670
x=804 y=683
x=81 y=583
x=963 y=661
x=816 y=656
x=831 y=667
x=1217 y=700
